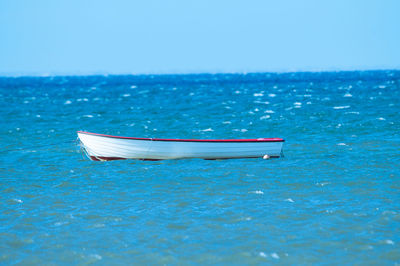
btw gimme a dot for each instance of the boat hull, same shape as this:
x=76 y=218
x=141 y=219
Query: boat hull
x=105 y=147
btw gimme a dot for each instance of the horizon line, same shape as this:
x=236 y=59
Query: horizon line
x=104 y=73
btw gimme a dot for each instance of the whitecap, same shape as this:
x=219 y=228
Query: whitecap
x=237 y=92
x=67 y=102
x=356 y=113
x=321 y=184
x=341 y=144
x=227 y=122
x=207 y=130
x=269 y=112
x=262 y=254
x=347 y=95
x=381 y=118
x=126 y=95
x=60 y=223
x=274 y=255
x=341 y=107
x=96 y=256
x=265 y=117
x=258 y=94
x=272 y=95
x=133 y=87
x=257 y=192
x=99 y=225
x=261 y=102
x=89 y=116
x=389 y=242
x=18 y=200
x=289 y=200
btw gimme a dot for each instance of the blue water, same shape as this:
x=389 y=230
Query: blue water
x=334 y=197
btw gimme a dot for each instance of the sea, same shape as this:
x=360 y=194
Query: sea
x=334 y=198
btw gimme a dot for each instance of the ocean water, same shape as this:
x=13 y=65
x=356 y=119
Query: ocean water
x=334 y=197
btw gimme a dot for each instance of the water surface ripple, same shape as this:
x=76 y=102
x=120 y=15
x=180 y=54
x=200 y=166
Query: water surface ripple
x=334 y=197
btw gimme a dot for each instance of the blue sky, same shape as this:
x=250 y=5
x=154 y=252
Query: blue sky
x=119 y=37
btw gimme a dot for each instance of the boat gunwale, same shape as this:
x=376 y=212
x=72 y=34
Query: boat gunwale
x=185 y=140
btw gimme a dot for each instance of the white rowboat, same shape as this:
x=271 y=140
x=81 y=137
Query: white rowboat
x=99 y=147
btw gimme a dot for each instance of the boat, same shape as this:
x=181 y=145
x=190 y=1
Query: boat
x=100 y=147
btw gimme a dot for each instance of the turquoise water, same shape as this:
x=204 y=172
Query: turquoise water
x=334 y=197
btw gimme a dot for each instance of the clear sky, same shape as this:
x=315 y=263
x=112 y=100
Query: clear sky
x=167 y=36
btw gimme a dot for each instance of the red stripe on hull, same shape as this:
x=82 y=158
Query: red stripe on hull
x=93 y=158
x=101 y=158
x=189 y=140
x=241 y=158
